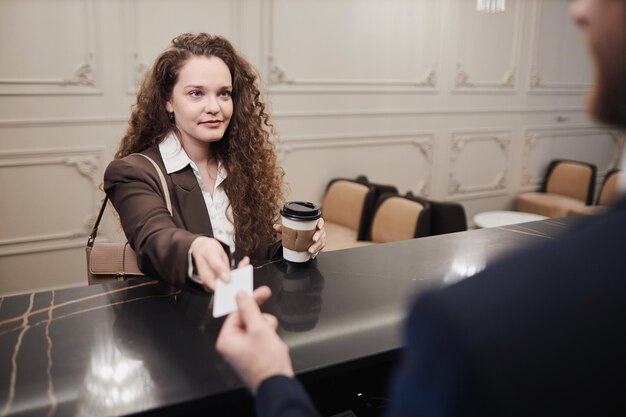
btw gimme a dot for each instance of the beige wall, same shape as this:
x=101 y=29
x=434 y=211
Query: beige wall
x=429 y=95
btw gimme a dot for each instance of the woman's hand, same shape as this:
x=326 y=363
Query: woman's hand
x=211 y=261
x=319 y=237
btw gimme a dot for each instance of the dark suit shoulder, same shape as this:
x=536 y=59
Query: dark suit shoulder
x=133 y=167
x=585 y=264
x=543 y=327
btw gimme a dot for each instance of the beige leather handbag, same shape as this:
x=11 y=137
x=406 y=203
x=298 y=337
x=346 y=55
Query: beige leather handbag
x=110 y=261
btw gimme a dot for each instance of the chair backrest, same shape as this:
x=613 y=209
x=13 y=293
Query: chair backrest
x=399 y=218
x=573 y=179
x=609 y=192
x=379 y=189
x=445 y=216
x=344 y=203
x=368 y=211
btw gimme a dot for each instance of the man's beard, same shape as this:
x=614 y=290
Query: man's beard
x=607 y=100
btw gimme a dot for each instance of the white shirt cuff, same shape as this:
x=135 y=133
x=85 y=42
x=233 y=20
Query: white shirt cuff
x=190 y=274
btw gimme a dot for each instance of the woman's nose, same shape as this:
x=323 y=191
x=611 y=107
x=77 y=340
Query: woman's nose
x=212 y=105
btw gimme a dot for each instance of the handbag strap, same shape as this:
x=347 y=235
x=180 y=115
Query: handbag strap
x=166 y=191
x=166 y=196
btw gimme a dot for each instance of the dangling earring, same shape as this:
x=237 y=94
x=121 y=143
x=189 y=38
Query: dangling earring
x=170 y=115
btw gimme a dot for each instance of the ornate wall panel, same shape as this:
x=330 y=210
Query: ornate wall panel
x=44 y=196
x=559 y=61
x=364 y=45
x=400 y=158
x=479 y=163
x=42 y=270
x=59 y=57
x=408 y=92
x=443 y=111
x=543 y=145
x=488 y=48
x=151 y=25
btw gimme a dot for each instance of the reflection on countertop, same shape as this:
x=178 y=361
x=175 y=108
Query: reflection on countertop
x=140 y=345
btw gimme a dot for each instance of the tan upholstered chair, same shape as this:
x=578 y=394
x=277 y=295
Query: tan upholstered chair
x=568 y=186
x=608 y=195
x=609 y=192
x=400 y=218
x=347 y=207
x=342 y=208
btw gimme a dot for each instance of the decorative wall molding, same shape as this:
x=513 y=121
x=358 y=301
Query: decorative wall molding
x=532 y=136
x=82 y=76
x=466 y=83
x=538 y=86
x=63 y=121
x=278 y=76
x=137 y=66
x=82 y=81
x=86 y=161
x=43 y=243
x=536 y=82
x=428 y=111
x=458 y=144
x=463 y=80
x=530 y=140
x=280 y=82
x=423 y=141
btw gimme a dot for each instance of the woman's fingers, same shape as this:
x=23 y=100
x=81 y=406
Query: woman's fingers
x=211 y=262
x=244 y=262
x=262 y=294
x=319 y=237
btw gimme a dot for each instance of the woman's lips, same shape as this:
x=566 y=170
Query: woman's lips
x=211 y=123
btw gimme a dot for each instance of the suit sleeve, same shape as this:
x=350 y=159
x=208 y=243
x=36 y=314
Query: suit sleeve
x=161 y=245
x=430 y=379
x=280 y=396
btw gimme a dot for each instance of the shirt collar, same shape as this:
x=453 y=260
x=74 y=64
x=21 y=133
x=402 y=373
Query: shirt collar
x=175 y=158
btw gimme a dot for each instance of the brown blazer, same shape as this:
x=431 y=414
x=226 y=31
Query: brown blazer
x=162 y=240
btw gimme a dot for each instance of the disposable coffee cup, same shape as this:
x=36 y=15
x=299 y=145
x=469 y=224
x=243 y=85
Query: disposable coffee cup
x=299 y=219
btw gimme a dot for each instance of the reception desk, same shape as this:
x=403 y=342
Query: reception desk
x=142 y=347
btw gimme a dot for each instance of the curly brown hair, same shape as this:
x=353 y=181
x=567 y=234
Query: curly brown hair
x=255 y=181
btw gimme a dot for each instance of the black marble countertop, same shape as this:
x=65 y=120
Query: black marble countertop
x=138 y=345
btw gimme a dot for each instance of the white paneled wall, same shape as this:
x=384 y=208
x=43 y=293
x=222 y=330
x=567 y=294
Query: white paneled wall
x=429 y=95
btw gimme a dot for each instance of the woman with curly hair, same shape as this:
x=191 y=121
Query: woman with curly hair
x=200 y=116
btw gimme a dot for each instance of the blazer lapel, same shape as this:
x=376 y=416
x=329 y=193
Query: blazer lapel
x=192 y=206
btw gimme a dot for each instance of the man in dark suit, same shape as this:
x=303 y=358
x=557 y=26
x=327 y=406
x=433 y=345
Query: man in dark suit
x=542 y=332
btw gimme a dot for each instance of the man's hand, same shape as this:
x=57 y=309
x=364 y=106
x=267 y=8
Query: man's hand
x=249 y=342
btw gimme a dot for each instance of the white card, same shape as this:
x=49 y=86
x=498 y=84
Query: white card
x=224 y=298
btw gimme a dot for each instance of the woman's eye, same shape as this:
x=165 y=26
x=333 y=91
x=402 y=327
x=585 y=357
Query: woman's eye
x=195 y=93
x=225 y=93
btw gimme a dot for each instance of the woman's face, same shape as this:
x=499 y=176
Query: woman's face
x=202 y=101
